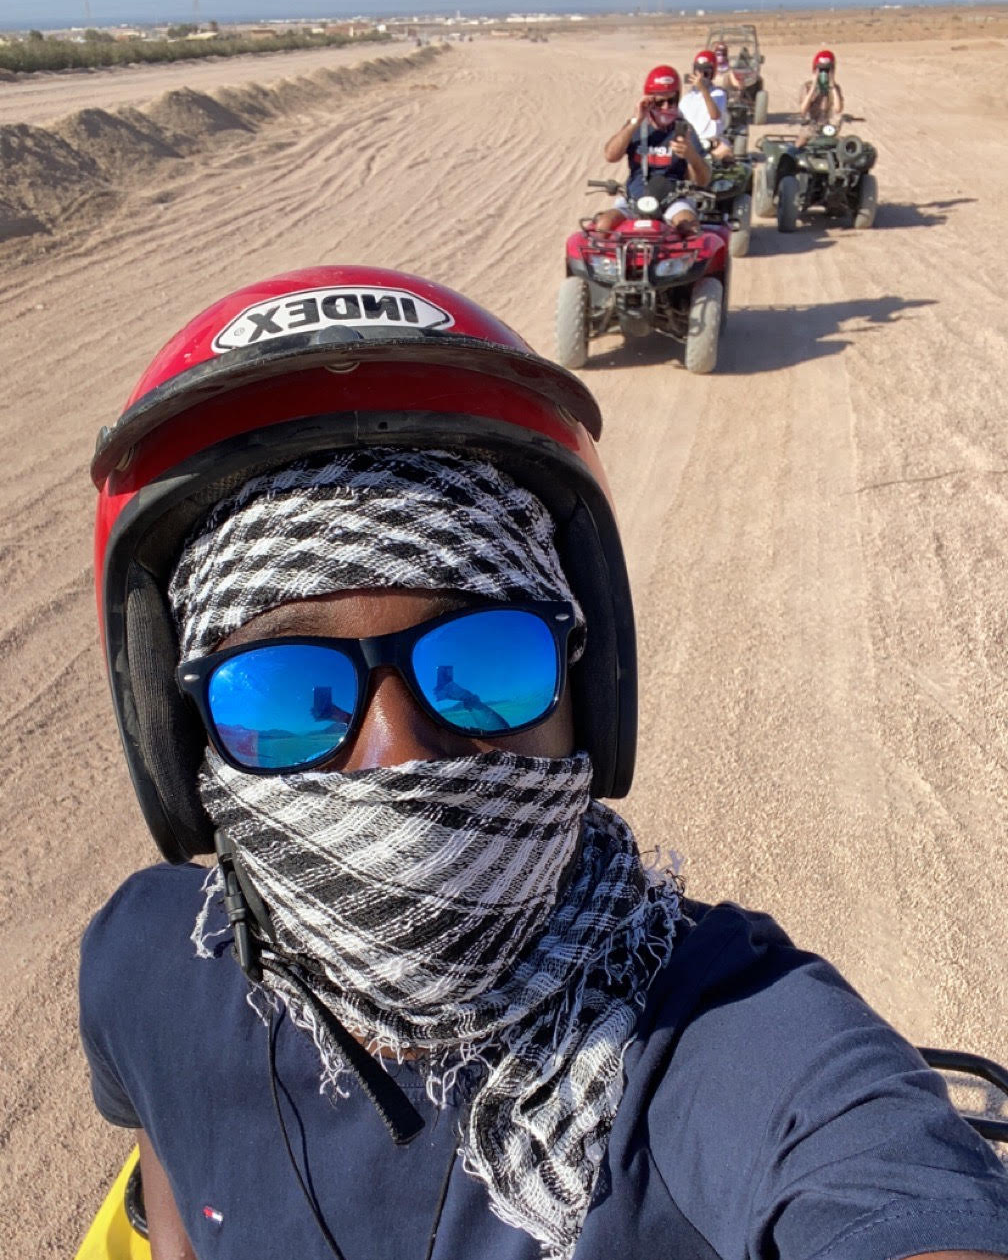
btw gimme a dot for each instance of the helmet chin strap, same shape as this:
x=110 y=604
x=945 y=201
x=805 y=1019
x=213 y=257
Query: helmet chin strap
x=256 y=949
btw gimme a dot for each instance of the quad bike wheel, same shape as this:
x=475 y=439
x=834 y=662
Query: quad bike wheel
x=787 y=204
x=864 y=216
x=761 y=107
x=572 y=322
x=704 y=329
x=762 y=197
x=741 y=211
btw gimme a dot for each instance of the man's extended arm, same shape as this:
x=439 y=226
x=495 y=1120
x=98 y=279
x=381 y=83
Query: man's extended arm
x=168 y=1238
x=617 y=145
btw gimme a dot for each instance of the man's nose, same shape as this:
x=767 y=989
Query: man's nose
x=394 y=729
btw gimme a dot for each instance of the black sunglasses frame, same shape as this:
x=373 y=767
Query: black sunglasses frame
x=393 y=650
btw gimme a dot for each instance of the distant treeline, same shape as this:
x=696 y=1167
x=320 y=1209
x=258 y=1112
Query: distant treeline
x=38 y=53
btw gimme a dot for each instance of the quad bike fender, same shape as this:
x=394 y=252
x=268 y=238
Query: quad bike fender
x=112 y=1235
x=712 y=251
x=574 y=252
x=785 y=164
x=577 y=266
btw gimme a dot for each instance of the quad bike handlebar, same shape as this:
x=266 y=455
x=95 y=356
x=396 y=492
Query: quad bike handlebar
x=984 y=1069
x=671 y=190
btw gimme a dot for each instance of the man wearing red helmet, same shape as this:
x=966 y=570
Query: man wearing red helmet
x=820 y=100
x=704 y=106
x=369 y=638
x=651 y=145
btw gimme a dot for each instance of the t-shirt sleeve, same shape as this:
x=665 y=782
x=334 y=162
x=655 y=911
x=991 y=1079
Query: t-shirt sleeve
x=797 y=1124
x=103 y=1002
x=865 y=1156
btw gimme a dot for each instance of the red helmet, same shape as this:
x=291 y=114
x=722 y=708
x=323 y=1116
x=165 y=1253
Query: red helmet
x=705 y=60
x=323 y=359
x=663 y=81
x=823 y=60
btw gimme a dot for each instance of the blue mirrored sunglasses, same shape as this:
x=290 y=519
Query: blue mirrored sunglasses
x=284 y=705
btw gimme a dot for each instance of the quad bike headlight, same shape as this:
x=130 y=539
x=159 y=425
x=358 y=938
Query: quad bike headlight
x=604 y=266
x=670 y=268
x=647 y=205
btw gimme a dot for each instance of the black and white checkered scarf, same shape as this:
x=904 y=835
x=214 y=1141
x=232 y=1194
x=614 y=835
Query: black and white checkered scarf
x=413 y=520
x=483 y=912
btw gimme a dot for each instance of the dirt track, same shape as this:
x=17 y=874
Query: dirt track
x=816 y=533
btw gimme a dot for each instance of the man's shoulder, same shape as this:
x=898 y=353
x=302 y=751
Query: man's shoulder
x=144 y=930
x=731 y=956
x=160 y=894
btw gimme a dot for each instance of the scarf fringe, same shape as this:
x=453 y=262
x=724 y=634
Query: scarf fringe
x=540 y=1036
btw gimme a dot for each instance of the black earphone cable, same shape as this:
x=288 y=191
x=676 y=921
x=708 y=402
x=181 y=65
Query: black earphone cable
x=308 y=1193
x=307 y=1190
x=400 y=1117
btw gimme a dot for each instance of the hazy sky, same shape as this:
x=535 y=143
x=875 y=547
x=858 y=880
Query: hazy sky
x=21 y=14
x=15 y=14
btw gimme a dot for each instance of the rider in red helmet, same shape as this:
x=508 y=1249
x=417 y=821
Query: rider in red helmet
x=820 y=99
x=704 y=106
x=649 y=142
x=369 y=639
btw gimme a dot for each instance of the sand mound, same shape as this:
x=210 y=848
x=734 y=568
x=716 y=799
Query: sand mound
x=119 y=142
x=51 y=173
x=191 y=118
x=43 y=174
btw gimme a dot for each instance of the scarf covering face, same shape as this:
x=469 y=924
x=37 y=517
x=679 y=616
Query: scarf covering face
x=413 y=520
x=483 y=912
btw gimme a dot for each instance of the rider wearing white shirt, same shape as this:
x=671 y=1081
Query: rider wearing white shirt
x=704 y=106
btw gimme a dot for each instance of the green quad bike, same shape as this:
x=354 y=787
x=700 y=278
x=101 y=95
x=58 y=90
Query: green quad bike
x=732 y=184
x=829 y=170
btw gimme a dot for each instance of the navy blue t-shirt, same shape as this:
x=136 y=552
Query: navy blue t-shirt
x=661 y=159
x=768 y=1112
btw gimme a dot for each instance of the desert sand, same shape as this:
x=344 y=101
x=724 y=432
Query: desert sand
x=815 y=532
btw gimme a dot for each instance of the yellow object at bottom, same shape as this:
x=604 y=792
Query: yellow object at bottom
x=111 y=1236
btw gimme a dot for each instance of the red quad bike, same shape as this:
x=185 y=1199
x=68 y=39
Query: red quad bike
x=646 y=277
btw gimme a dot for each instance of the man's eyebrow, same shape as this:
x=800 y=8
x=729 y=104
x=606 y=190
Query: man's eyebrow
x=308 y=617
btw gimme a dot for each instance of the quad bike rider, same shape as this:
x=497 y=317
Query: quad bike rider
x=820 y=100
x=429 y=1001
x=736 y=124
x=637 y=266
x=740 y=71
x=656 y=140
x=705 y=106
x=816 y=167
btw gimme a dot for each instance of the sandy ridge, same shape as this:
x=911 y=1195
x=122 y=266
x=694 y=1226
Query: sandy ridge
x=78 y=167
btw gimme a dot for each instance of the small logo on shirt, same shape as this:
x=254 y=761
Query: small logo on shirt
x=213 y=1214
